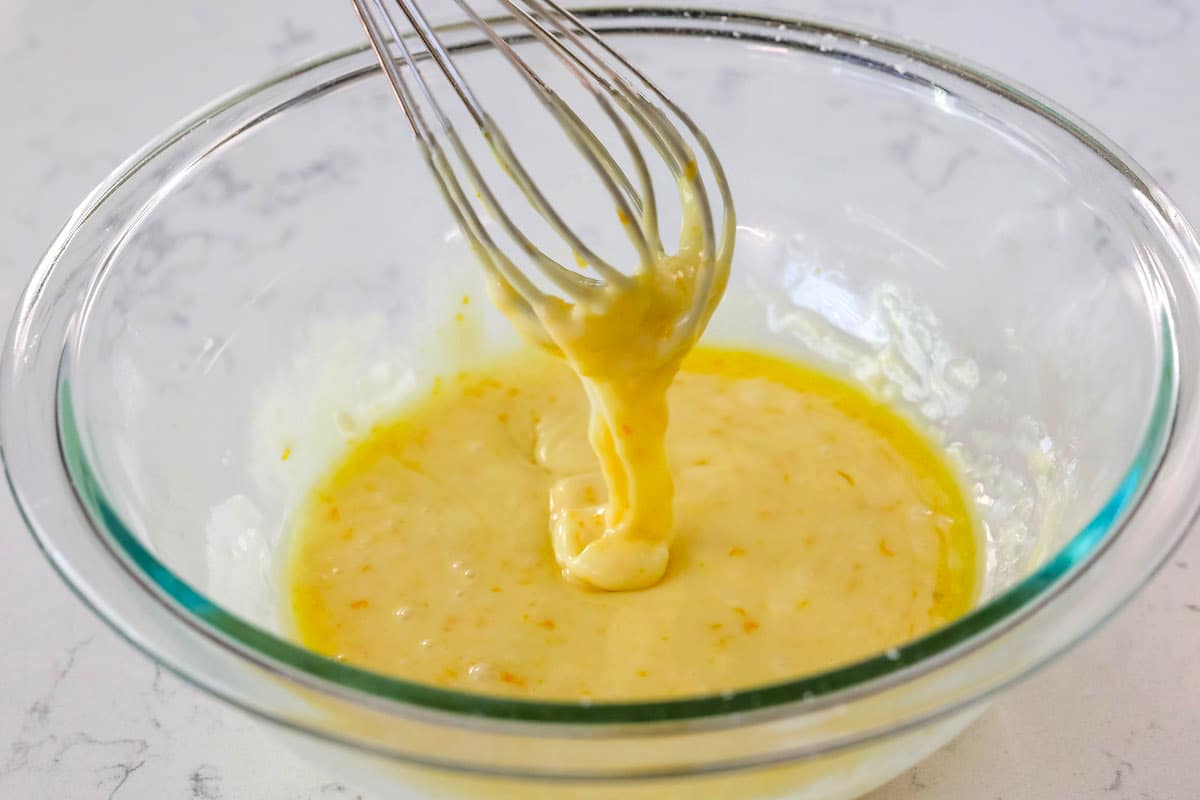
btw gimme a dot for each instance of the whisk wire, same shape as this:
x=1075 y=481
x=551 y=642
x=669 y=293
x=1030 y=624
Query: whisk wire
x=645 y=203
x=498 y=264
x=720 y=275
x=566 y=280
x=615 y=181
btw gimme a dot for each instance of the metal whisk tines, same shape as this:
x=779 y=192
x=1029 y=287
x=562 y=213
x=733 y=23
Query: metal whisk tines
x=624 y=95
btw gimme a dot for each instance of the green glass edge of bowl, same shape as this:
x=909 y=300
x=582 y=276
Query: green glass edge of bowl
x=1074 y=554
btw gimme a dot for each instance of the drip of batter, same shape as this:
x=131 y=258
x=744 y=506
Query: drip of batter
x=612 y=529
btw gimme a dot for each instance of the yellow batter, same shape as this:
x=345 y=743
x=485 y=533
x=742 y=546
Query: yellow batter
x=812 y=526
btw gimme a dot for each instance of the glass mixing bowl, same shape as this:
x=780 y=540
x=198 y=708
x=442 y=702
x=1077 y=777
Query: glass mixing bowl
x=265 y=275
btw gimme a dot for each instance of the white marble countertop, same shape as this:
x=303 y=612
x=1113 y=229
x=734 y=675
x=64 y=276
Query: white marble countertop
x=83 y=716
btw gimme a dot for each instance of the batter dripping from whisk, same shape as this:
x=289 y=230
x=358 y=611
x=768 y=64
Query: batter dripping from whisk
x=612 y=529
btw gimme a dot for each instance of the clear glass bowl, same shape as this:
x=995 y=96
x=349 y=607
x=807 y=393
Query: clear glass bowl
x=959 y=245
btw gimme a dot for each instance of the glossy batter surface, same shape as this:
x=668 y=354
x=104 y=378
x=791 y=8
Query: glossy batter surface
x=814 y=526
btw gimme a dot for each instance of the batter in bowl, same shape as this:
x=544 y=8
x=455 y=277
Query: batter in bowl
x=812 y=526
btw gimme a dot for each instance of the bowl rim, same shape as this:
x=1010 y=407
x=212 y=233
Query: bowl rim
x=816 y=691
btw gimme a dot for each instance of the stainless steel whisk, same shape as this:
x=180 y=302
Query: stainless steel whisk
x=622 y=92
